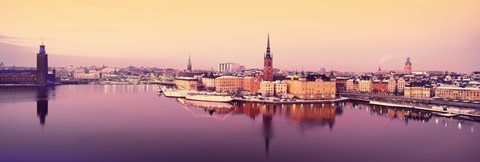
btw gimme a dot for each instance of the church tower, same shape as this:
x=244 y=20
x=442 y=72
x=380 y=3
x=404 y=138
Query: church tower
x=408 y=66
x=268 y=63
x=42 y=65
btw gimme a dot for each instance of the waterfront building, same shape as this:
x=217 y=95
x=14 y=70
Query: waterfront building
x=341 y=83
x=228 y=84
x=276 y=88
x=365 y=86
x=268 y=63
x=408 y=66
x=392 y=86
x=400 y=85
x=380 y=86
x=311 y=87
x=186 y=83
x=39 y=77
x=230 y=67
x=352 y=85
x=418 y=92
x=251 y=84
x=208 y=82
x=458 y=93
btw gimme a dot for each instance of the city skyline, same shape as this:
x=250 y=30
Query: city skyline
x=343 y=36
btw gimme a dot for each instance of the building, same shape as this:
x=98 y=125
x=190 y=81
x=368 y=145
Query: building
x=417 y=92
x=392 y=86
x=352 y=85
x=458 y=93
x=311 y=87
x=341 y=84
x=251 y=84
x=380 y=87
x=186 y=83
x=38 y=77
x=401 y=85
x=230 y=67
x=208 y=82
x=365 y=86
x=275 y=88
x=228 y=84
x=408 y=66
x=268 y=63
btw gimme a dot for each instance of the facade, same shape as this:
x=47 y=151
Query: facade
x=408 y=66
x=230 y=67
x=209 y=82
x=228 y=84
x=458 y=93
x=401 y=85
x=311 y=88
x=268 y=63
x=186 y=83
x=341 y=84
x=392 y=85
x=417 y=92
x=276 y=88
x=251 y=84
x=365 y=86
x=39 y=77
x=380 y=87
x=352 y=85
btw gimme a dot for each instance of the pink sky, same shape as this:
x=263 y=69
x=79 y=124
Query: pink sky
x=345 y=35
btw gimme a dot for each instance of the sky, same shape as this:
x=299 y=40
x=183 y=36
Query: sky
x=344 y=35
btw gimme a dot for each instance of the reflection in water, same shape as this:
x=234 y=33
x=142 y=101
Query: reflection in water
x=308 y=115
x=40 y=94
x=42 y=103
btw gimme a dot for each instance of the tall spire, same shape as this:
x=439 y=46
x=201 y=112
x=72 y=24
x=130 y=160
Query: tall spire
x=268 y=55
x=189 y=66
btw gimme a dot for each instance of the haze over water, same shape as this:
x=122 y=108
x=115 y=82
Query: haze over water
x=133 y=123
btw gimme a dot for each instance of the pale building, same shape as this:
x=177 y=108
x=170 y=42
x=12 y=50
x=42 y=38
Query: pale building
x=417 y=92
x=208 y=82
x=311 y=88
x=400 y=85
x=276 y=88
x=230 y=67
x=365 y=86
x=392 y=86
x=458 y=93
x=186 y=83
x=267 y=88
x=228 y=84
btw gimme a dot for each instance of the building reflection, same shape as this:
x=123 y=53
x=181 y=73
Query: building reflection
x=405 y=115
x=42 y=104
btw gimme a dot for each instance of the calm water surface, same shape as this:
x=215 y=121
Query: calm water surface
x=133 y=123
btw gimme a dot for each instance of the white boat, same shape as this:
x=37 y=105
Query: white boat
x=445 y=114
x=389 y=104
x=174 y=92
x=212 y=97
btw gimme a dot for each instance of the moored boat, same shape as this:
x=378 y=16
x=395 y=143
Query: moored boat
x=211 y=97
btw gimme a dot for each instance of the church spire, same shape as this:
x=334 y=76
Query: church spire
x=268 y=54
x=189 y=66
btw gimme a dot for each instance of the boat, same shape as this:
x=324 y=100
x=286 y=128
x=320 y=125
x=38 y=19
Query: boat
x=174 y=93
x=389 y=104
x=445 y=114
x=211 y=97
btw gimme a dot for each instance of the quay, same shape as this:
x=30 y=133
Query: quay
x=290 y=102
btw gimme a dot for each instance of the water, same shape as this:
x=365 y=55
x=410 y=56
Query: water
x=132 y=123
